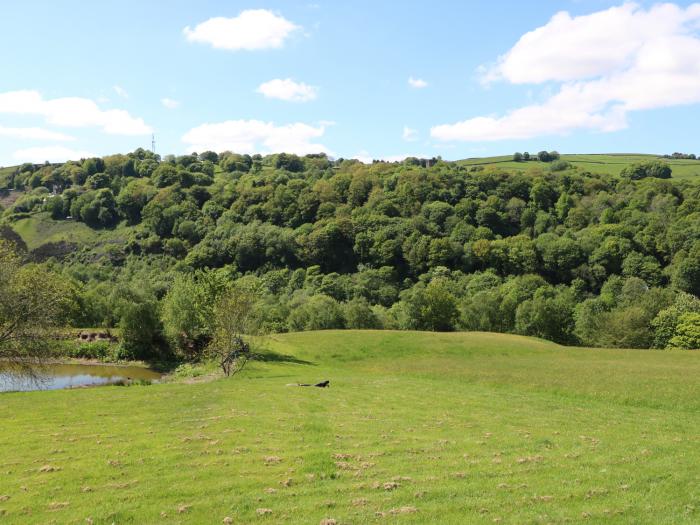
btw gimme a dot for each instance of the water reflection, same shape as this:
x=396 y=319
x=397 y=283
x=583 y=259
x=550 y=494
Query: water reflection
x=58 y=376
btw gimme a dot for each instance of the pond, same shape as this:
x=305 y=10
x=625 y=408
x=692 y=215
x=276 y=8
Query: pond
x=58 y=376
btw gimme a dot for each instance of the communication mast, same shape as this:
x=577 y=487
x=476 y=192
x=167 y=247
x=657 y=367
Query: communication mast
x=153 y=142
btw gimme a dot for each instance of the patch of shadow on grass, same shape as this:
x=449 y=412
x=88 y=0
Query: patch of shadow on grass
x=274 y=357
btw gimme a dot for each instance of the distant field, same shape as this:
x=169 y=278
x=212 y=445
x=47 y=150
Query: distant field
x=416 y=428
x=596 y=163
x=40 y=229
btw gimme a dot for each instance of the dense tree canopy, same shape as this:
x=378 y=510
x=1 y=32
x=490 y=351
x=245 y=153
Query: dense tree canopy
x=559 y=253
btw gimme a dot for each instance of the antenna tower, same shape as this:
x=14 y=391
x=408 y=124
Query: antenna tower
x=153 y=142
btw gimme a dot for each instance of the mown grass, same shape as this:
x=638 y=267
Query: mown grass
x=416 y=428
x=609 y=164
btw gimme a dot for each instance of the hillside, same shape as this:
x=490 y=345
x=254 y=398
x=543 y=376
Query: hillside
x=553 y=251
x=608 y=164
x=415 y=428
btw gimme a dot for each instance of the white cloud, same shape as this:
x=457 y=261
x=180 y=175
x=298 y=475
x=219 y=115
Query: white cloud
x=121 y=92
x=409 y=134
x=256 y=136
x=608 y=64
x=33 y=133
x=288 y=90
x=51 y=153
x=72 y=112
x=170 y=103
x=417 y=83
x=365 y=157
x=252 y=29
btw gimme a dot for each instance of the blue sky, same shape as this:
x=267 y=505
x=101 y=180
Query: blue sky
x=83 y=78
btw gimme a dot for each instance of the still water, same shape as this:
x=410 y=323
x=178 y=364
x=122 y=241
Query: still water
x=57 y=376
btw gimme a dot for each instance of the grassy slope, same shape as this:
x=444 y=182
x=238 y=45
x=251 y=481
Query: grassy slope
x=40 y=229
x=471 y=427
x=610 y=164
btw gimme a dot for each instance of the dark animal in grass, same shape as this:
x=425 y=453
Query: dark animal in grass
x=322 y=384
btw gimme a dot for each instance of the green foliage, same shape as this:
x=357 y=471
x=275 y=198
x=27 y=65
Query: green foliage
x=358 y=313
x=140 y=329
x=424 y=244
x=187 y=311
x=316 y=312
x=35 y=301
x=666 y=322
x=642 y=170
x=430 y=307
x=687 y=333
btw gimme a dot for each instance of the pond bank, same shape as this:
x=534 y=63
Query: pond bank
x=59 y=375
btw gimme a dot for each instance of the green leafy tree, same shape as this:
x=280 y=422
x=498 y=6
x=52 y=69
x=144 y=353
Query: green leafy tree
x=359 y=314
x=687 y=333
x=318 y=312
x=34 y=303
x=233 y=325
x=432 y=306
x=140 y=330
x=642 y=170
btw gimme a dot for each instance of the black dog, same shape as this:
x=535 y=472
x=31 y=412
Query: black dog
x=322 y=384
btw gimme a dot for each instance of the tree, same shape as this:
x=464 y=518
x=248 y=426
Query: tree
x=517 y=157
x=318 y=312
x=687 y=332
x=358 y=314
x=686 y=274
x=140 y=329
x=642 y=170
x=34 y=302
x=234 y=322
x=431 y=307
x=666 y=322
x=549 y=314
x=187 y=312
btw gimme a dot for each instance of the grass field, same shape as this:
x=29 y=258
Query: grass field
x=40 y=229
x=610 y=164
x=416 y=428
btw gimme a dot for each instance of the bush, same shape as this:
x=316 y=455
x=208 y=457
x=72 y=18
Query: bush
x=318 y=312
x=642 y=170
x=559 y=165
x=359 y=314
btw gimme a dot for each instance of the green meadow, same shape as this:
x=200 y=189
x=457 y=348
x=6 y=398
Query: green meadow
x=415 y=428
x=609 y=164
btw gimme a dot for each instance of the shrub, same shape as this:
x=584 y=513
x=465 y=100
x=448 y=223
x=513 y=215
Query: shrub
x=642 y=170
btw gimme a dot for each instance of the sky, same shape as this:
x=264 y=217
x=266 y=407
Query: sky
x=362 y=79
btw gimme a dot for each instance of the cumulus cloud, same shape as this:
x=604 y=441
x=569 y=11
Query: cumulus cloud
x=288 y=90
x=170 y=103
x=409 y=134
x=252 y=29
x=41 y=154
x=256 y=136
x=72 y=112
x=417 y=83
x=33 y=133
x=607 y=64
